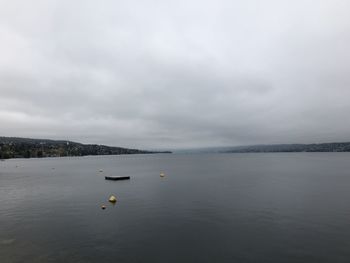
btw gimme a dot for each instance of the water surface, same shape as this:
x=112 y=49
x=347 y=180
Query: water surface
x=285 y=207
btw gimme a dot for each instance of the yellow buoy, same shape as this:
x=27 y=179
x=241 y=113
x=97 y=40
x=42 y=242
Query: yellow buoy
x=162 y=174
x=112 y=199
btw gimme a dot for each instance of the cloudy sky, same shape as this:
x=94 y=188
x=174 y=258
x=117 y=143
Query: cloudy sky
x=175 y=74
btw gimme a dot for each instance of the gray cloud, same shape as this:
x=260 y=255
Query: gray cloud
x=165 y=74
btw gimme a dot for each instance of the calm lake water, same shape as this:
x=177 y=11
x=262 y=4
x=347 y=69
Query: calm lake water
x=286 y=207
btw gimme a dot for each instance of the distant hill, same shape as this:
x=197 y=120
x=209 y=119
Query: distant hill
x=12 y=147
x=321 y=147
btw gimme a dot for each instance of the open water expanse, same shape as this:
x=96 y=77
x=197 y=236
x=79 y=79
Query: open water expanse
x=273 y=207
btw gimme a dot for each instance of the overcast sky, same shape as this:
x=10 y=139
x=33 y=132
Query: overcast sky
x=176 y=74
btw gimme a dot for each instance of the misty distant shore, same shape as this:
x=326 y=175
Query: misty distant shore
x=320 y=147
x=13 y=147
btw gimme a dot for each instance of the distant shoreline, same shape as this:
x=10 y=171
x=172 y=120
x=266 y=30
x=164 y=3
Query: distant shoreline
x=14 y=147
x=275 y=148
x=79 y=156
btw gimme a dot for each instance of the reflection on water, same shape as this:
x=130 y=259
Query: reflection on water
x=289 y=207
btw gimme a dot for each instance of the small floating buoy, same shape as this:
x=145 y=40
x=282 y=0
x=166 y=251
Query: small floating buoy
x=103 y=207
x=117 y=178
x=162 y=174
x=101 y=170
x=112 y=199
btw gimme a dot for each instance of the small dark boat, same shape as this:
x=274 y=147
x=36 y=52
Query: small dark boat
x=117 y=178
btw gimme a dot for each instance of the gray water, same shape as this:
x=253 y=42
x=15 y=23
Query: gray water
x=286 y=207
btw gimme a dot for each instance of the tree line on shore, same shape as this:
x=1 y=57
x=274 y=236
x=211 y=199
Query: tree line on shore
x=321 y=147
x=11 y=147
